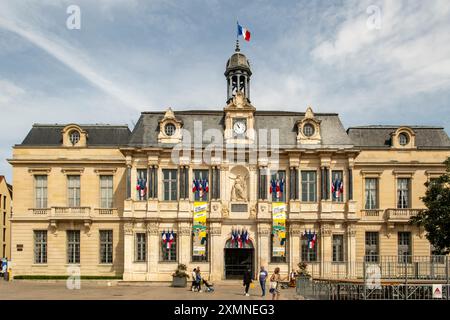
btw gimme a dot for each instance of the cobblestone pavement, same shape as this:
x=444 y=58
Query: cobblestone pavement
x=100 y=290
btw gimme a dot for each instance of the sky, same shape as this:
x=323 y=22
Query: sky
x=373 y=62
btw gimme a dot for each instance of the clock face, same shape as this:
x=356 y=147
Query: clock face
x=239 y=127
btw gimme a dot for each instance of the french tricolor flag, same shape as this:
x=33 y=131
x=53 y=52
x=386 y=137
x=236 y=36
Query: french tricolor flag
x=241 y=31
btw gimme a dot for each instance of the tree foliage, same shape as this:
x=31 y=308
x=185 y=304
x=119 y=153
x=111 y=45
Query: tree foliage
x=435 y=219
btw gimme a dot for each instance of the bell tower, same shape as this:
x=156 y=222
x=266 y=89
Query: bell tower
x=238 y=75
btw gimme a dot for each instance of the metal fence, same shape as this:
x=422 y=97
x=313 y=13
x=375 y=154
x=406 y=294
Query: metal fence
x=328 y=290
x=377 y=278
x=388 y=267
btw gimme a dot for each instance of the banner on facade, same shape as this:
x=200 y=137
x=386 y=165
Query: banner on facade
x=199 y=229
x=278 y=229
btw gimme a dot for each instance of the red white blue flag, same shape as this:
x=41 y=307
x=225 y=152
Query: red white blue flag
x=241 y=31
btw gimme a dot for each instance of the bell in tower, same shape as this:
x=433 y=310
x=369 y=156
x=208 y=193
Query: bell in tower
x=238 y=74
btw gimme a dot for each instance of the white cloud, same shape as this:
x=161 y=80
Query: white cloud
x=9 y=91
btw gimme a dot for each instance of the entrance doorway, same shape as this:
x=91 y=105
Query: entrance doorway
x=238 y=260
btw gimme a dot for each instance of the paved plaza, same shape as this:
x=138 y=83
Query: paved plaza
x=114 y=290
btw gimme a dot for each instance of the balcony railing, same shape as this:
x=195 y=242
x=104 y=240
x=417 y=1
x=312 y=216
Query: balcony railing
x=40 y=211
x=372 y=213
x=105 y=211
x=401 y=214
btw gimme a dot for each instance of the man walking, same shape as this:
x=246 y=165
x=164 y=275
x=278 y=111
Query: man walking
x=246 y=281
x=262 y=280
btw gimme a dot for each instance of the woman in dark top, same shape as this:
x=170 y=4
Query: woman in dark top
x=247 y=281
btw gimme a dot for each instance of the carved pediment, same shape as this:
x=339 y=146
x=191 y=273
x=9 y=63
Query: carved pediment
x=170 y=128
x=308 y=129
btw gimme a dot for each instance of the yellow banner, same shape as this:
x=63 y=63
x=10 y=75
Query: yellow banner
x=278 y=229
x=199 y=228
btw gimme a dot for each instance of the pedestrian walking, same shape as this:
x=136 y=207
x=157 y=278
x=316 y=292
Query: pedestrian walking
x=262 y=280
x=198 y=278
x=275 y=280
x=247 y=280
x=194 y=277
x=4 y=267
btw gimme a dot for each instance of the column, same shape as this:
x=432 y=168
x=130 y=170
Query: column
x=216 y=258
x=246 y=86
x=351 y=252
x=184 y=245
x=152 y=231
x=325 y=251
x=128 y=251
x=128 y=181
x=295 y=246
x=153 y=247
x=263 y=246
x=238 y=77
x=350 y=184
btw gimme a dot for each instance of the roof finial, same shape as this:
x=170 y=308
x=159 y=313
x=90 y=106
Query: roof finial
x=237 y=46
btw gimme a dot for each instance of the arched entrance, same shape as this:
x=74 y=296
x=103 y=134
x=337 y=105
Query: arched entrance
x=238 y=258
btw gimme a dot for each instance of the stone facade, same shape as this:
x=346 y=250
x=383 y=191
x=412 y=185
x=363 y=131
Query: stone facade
x=5 y=215
x=238 y=197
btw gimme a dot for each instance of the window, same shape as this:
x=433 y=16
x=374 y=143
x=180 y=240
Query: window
x=40 y=191
x=308 y=130
x=403 y=139
x=73 y=191
x=201 y=185
x=278 y=186
x=141 y=247
x=404 y=247
x=106 y=246
x=403 y=193
x=308 y=254
x=40 y=246
x=337 y=186
x=372 y=246
x=141 y=184
x=74 y=137
x=371 y=193
x=309 y=186
x=338 y=248
x=73 y=246
x=4 y=218
x=170 y=129
x=106 y=191
x=170 y=184
x=169 y=249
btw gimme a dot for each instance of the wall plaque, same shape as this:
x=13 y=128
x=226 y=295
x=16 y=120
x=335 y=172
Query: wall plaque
x=239 y=207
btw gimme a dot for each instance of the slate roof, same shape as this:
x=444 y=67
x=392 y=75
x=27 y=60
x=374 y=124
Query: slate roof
x=379 y=136
x=145 y=134
x=98 y=135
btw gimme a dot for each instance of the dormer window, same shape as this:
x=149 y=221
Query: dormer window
x=74 y=137
x=170 y=129
x=308 y=130
x=403 y=139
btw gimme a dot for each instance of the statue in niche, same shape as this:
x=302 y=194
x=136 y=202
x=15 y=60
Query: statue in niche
x=239 y=190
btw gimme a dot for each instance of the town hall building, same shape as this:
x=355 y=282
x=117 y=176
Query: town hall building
x=224 y=190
